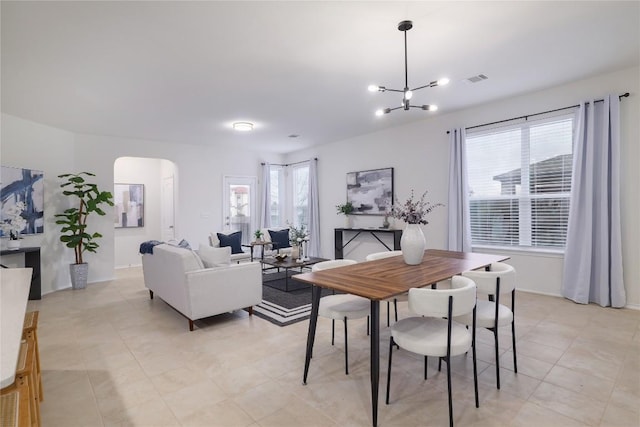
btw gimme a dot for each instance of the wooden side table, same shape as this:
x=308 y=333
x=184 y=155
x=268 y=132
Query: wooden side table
x=260 y=243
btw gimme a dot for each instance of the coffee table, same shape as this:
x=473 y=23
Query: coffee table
x=289 y=263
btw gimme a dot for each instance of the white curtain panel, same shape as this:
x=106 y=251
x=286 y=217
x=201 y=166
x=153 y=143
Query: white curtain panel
x=314 y=210
x=265 y=214
x=458 y=204
x=593 y=256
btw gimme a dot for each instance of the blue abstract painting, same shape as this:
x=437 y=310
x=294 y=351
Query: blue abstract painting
x=23 y=185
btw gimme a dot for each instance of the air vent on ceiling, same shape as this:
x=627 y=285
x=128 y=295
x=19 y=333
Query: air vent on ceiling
x=476 y=79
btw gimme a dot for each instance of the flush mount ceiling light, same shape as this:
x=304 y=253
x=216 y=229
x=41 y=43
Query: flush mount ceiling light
x=243 y=126
x=405 y=26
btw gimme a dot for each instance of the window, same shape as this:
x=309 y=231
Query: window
x=277 y=191
x=520 y=183
x=290 y=195
x=300 y=198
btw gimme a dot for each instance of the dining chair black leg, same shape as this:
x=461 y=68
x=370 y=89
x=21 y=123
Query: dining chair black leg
x=513 y=337
x=440 y=364
x=495 y=334
x=391 y=343
x=388 y=315
x=475 y=369
x=426 y=359
x=333 y=331
x=346 y=349
x=368 y=323
x=448 y=361
x=395 y=306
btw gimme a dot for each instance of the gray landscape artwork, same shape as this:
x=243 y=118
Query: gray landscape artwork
x=370 y=192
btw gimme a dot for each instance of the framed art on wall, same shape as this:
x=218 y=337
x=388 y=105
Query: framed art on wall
x=26 y=186
x=129 y=203
x=371 y=191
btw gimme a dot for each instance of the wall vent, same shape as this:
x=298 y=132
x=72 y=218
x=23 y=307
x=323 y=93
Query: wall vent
x=476 y=79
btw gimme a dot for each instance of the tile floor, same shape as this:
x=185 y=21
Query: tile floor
x=110 y=356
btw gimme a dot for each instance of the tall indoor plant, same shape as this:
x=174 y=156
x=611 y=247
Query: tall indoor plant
x=87 y=199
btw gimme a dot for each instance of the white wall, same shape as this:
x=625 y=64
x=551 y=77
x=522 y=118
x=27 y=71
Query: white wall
x=136 y=170
x=419 y=154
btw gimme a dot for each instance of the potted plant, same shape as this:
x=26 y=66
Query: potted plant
x=258 y=235
x=14 y=223
x=87 y=199
x=346 y=209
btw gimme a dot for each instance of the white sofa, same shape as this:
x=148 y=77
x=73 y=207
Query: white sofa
x=179 y=277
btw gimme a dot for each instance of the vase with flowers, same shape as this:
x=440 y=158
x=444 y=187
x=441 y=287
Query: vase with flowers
x=298 y=236
x=414 y=213
x=13 y=223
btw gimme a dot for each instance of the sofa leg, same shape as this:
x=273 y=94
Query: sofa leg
x=150 y=294
x=250 y=310
x=190 y=325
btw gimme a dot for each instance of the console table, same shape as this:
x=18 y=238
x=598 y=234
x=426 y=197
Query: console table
x=339 y=232
x=31 y=259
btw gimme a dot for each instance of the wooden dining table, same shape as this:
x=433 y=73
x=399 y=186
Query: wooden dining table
x=381 y=279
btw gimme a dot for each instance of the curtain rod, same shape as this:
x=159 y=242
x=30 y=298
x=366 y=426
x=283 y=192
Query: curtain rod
x=290 y=164
x=624 y=95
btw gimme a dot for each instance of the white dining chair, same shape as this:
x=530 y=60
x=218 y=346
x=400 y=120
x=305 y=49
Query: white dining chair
x=433 y=332
x=342 y=306
x=491 y=314
x=403 y=297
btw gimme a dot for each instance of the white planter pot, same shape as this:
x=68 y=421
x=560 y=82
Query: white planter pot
x=412 y=244
x=347 y=221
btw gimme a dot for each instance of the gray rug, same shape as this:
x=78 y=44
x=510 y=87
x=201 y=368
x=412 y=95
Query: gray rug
x=284 y=308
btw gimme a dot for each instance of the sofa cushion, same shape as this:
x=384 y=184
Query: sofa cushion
x=232 y=240
x=215 y=257
x=280 y=238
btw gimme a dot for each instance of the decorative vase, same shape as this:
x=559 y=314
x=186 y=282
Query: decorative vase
x=347 y=221
x=385 y=222
x=14 y=244
x=412 y=244
x=295 y=252
x=79 y=274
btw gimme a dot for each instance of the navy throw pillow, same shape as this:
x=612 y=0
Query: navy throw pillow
x=280 y=238
x=233 y=240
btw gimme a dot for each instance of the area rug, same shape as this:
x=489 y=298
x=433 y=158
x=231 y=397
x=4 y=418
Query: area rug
x=284 y=308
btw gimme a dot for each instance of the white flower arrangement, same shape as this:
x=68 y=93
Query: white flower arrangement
x=298 y=235
x=14 y=223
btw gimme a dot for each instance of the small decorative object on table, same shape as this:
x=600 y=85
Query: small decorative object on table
x=414 y=214
x=258 y=235
x=345 y=209
x=385 y=221
x=280 y=257
x=13 y=224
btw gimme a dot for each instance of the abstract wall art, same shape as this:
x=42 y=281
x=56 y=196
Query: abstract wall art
x=370 y=192
x=129 y=203
x=23 y=185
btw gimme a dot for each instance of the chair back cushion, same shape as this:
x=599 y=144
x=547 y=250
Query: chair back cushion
x=486 y=280
x=382 y=255
x=326 y=265
x=435 y=302
x=215 y=257
x=279 y=238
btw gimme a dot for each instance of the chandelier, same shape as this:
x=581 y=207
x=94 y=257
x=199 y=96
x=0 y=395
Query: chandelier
x=407 y=93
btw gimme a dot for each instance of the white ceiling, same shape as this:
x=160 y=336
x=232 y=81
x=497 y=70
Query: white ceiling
x=184 y=71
